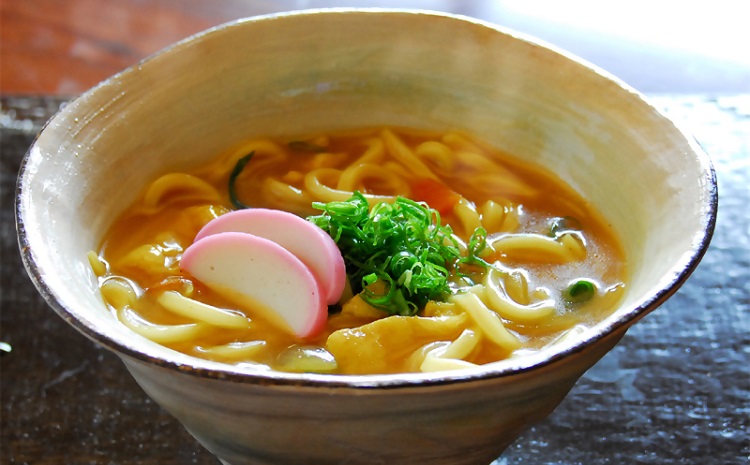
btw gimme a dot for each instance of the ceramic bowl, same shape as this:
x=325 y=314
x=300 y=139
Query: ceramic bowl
x=329 y=70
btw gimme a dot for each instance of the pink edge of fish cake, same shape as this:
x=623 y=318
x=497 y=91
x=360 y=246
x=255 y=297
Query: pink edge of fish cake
x=257 y=273
x=308 y=242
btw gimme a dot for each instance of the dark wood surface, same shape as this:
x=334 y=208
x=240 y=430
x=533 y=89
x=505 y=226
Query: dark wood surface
x=676 y=390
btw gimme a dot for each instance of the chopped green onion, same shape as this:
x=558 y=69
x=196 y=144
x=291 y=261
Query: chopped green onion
x=238 y=167
x=580 y=291
x=304 y=146
x=561 y=225
x=477 y=243
x=401 y=245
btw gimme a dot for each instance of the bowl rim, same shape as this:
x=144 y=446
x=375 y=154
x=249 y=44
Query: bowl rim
x=680 y=271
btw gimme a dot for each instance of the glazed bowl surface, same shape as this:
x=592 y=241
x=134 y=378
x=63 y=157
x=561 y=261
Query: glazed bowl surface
x=330 y=70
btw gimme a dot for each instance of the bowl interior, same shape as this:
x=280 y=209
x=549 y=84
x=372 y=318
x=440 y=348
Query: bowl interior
x=320 y=71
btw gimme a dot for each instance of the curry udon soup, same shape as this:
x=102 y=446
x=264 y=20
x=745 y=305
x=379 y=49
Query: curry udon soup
x=455 y=254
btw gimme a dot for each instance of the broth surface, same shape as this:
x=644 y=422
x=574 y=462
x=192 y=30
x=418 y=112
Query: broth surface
x=542 y=237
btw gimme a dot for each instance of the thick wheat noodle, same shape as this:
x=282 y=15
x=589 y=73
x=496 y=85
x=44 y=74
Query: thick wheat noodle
x=432 y=363
x=503 y=305
x=404 y=155
x=438 y=155
x=184 y=186
x=242 y=351
x=499 y=217
x=204 y=313
x=538 y=248
x=491 y=325
x=263 y=150
x=355 y=177
x=374 y=153
x=318 y=183
x=118 y=292
x=467 y=215
x=97 y=265
x=451 y=355
x=163 y=334
x=462 y=346
x=282 y=194
x=498 y=184
x=516 y=285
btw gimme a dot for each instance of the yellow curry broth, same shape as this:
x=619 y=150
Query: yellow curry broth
x=145 y=244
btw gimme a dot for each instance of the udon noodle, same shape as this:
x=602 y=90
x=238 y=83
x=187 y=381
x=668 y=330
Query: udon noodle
x=555 y=266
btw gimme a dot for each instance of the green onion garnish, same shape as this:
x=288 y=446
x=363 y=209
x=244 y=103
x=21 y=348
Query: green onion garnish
x=580 y=291
x=238 y=167
x=477 y=243
x=304 y=146
x=559 y=226
x=402 y=246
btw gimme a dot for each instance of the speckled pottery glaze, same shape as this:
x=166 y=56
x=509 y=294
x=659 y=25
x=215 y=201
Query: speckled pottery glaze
x=326 y=70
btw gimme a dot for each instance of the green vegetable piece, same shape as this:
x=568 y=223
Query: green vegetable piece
x=561 y=225
x=304 y=146
x=238 y=168
x=403 y=245
x=477 y=243
x=580 y=291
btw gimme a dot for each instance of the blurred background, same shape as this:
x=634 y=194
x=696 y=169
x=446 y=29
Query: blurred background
x=63 y=47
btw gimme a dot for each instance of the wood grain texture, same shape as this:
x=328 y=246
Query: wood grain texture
x=63 y=47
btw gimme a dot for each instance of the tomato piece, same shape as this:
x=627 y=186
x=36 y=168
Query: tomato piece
x=435 y=194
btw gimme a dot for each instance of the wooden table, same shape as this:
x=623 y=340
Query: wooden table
x=676 y=390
